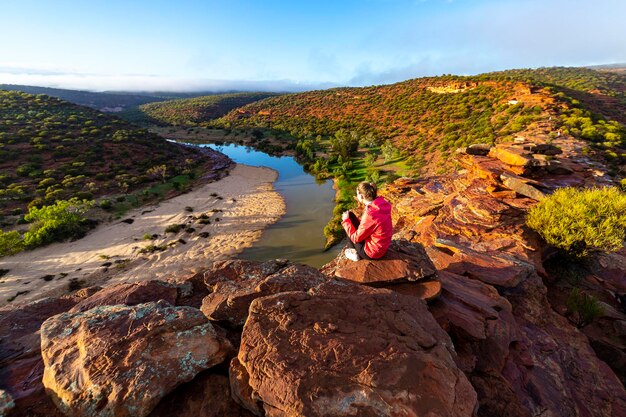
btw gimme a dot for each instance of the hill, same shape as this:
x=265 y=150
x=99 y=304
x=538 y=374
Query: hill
x=106 y=101
x=425 y=119
x=191 y=111
x=52 y=150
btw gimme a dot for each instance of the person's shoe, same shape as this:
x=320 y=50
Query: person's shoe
x=352 y=254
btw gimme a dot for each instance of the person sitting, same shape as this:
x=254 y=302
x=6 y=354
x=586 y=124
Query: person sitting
x=369 y=237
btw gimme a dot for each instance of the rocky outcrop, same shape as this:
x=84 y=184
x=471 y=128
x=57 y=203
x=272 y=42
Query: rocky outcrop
x=343 y=349
x=233 y=285
x=120 y=360
x=500 y=303
x=403 y=262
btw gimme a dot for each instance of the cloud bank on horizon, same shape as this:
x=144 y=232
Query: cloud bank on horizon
x=274 y=45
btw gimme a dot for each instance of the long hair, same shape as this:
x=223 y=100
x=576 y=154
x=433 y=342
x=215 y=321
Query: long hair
x=367 y=190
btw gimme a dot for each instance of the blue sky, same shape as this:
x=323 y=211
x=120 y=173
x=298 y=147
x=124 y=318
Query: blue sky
x=295 y=45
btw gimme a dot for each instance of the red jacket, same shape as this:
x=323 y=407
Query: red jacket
x=375 y=228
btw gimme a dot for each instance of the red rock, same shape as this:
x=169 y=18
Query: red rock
x=120 y=361
x=511 y=155
x=241 y=390
x=21 y=366
x=343 y=349
x=522 y=186
x=129 y=294
x=492 y=268
x=425 y=290
x=207 y=395
x=235 y=284
x=404 y=261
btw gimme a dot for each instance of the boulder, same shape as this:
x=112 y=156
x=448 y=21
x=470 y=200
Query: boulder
x=119 y=361
x=404 y=261
x=21 y=366
x=129 y=294
x=240 y=388
x=235 y=284
x=207 y=395
x=343 y=349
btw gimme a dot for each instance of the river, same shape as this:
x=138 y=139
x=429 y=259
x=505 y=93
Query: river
x=299 y=234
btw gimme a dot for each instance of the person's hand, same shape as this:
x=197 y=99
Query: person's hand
x=345 y=215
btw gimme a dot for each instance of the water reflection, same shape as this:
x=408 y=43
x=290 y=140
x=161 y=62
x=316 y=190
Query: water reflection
x=298 y=235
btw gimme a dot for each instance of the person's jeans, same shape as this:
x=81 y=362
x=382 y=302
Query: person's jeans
x=359 y=246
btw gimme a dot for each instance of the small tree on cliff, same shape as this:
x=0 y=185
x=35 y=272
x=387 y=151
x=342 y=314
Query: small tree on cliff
x=581 y=221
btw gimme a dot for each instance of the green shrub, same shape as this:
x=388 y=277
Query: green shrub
x=584 y=308
x=10 y=243
x=581 y=221
x=62 y=220
x=174 y=228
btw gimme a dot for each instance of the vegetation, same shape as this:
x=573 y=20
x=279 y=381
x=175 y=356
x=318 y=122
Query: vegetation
x=584 y=308
x=582 y=221
x=52 y=150
x=190 y=112
x=57 y=222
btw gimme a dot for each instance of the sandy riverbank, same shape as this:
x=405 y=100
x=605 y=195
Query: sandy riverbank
x=244 y=202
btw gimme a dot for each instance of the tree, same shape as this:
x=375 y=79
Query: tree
x=344 y=144
x=388 y=150
x=62 y=220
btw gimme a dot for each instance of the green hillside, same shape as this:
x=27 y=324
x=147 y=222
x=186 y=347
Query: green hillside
x=191 y=111
x=52 y=150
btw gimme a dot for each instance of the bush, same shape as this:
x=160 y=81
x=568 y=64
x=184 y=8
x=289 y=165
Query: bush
x=584 y=308
x=60 y=221
x=581 y=221
x=10 y=243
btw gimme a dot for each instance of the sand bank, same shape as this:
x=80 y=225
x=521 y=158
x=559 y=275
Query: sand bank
x=242 y=205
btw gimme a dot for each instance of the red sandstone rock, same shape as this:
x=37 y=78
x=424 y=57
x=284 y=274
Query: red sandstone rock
x=235 y=284
x=342 y=350
x=120 y=361
x=522 y=186
x=493 y=268
x=129 y=294
x=404 y=261
x=425 y=290
x=21 y=366
x=241 y=390
x=511 y=155
x=207 y=395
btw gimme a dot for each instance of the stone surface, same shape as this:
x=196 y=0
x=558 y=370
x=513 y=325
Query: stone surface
x=522 y=187
x=235 y=284
x=343 y=349
x=120 y=361
x=404 y=261
x=129 y=294
x=479 y=149
x=511 y=155
x=428 y=290
x=241 y=390
x=498 y=269
x=208 y=395
x=21 y=366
